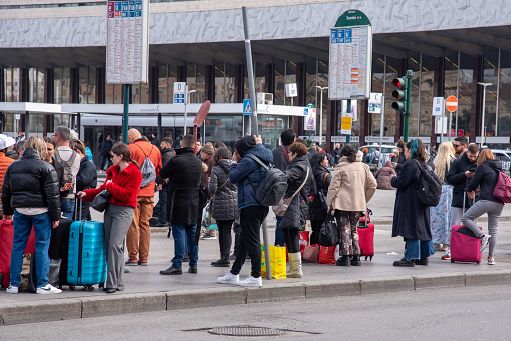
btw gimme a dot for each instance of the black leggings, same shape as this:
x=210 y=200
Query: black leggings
x=224 y=237
x=291 y=240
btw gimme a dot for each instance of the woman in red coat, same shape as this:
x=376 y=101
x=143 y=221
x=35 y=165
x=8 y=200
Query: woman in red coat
x=123 y=181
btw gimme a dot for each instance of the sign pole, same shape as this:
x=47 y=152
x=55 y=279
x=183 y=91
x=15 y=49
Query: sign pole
x=348 y=111
x=381 y=128
x=125 y=116
x=250 y=71
x=450 y=125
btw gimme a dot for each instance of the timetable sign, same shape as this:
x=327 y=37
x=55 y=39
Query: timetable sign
x=127 y=41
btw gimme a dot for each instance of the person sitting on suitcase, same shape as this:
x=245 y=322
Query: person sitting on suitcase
x=352 y=186
x=411 y=217
x=31 y=192
x=122 y=181
x=486 y=177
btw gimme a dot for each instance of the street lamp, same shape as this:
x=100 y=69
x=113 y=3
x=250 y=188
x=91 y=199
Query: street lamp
x=321 y=88
x=187 y=95
x=484 y=85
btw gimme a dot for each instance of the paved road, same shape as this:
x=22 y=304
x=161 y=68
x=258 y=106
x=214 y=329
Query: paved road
x=477 y=313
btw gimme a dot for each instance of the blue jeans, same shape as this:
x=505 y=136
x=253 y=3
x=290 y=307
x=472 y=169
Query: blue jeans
x=184 y=234
x=417 y=249
x=22 y=227
x=67 y=206
x=279 y=235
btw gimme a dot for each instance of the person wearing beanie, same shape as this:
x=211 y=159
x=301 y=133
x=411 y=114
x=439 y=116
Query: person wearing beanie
x=206 y=155
x=248 y=175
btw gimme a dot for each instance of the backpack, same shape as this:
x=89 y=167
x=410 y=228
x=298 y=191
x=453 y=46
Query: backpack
x=274 y=184
x=64 y=170
x=430 y=187
x=502 y=190
x=147 y=169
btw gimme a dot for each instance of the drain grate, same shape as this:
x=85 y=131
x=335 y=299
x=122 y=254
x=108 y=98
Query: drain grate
x=246 y=331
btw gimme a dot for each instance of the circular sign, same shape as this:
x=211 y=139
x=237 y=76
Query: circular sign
x=451 y=103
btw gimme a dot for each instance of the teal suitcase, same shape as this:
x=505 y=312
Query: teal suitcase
x=87 y=255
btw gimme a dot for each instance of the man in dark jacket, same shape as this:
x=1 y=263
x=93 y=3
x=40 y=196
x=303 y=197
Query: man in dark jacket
x=248 y=174
x=459 y=175
x=167 y=153
x=106 y=145
x=281 y=160
x=184 y=173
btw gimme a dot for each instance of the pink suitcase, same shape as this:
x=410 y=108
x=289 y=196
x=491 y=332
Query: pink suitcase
x=465 y=247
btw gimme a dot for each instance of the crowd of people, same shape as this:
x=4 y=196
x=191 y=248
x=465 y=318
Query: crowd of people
x=44 y=185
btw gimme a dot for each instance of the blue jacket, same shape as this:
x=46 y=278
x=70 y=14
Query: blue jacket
x=248 y=175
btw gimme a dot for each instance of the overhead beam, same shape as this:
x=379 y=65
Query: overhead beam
x=483 y=39
x=446 y=42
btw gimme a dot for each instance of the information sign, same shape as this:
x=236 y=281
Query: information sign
x=127 y=41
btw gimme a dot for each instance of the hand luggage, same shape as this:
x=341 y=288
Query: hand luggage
x=86 y=264
x=329 y=233
x=6 y=242
x=365 y=231
x=465 y=246
x=326 y=254
x=303 y=240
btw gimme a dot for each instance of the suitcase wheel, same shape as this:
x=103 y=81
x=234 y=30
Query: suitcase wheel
x=88 y=288
x=71 y=287
x=479 y=262
x=371 y=258
x=101 y=286
x=452 y=261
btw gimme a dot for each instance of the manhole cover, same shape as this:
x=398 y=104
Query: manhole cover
x=246 y=331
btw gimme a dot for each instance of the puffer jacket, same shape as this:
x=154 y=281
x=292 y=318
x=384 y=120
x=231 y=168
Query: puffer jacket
x=384 y=175
x=296 y=213
x=31 y=182
x=248 y=175
x=223 y=192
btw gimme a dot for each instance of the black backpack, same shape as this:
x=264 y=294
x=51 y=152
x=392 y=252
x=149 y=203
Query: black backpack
x=430 y=186
x=273 y=187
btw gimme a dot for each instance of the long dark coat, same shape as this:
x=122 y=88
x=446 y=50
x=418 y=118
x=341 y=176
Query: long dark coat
x=296 y=213
x=184 y=172
x=411 y=217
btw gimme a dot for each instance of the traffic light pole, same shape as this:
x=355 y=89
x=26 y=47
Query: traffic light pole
x=409 y=76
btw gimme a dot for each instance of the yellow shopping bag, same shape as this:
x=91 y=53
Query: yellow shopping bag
x=278 y=261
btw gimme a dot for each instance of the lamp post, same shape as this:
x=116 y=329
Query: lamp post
x=187 y=95
x=484 y=85
x=321 y=89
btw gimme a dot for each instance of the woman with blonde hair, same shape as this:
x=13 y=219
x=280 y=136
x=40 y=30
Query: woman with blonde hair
x=440 y=215
x=31 y=193
x=486 y=177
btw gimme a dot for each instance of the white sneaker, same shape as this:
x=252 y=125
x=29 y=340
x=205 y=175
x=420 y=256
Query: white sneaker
x=251 y=282
x=229 y=278
x=11 y=290
x=484 y=241
x=48 y=289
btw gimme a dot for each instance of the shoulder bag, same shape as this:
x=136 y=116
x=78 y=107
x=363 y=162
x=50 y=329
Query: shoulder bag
x=281 y=208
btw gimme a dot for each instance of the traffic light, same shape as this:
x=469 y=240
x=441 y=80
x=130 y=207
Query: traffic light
x=399 y=94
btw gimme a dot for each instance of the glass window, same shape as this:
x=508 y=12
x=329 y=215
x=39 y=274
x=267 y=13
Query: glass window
x=260 y=79
x=83 y=72
x=91 y=85
x=377 y=85
x=57 y=84
x=290 y=78
x=225 y=128
x=200 y=95
x=109 y=93
x=427 y=82
x=65 y=83
x=467 y=93
x=32 y=84
x=504 y=127
x=451 y=79
x=230 y=84
x=16 y=89
x=220 y=82
x=117 y=93
x=322 y=81
x=171 y=79
x=310 y=80
x=163 y=91
x=280 y=74
x=414 y=64
x=135 y=93
x=270 y=127
x=41 y=86
x=145 y=93
x=491 y=61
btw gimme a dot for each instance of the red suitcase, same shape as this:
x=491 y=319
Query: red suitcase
x=465 y=247
x=365 y=231
x=6 y=241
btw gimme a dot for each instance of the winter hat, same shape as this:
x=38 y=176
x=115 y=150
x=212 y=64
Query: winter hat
x=244 y=144
x=208 y=148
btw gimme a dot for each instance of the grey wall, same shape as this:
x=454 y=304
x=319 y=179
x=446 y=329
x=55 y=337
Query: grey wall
x=293 y=21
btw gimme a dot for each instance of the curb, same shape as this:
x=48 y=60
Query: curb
x=76 y=308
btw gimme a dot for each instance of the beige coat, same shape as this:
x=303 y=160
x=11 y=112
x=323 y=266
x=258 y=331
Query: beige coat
x=352 y=186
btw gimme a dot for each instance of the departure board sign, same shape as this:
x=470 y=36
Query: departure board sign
x=127 y=41
x=349 y=72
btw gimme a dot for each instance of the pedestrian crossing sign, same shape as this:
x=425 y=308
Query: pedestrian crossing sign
x=247 y=107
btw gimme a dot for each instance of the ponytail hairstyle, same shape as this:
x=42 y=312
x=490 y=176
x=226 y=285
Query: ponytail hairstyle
x=123 y=151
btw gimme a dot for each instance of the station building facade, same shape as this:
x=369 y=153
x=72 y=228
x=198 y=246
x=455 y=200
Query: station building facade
x=54 y=52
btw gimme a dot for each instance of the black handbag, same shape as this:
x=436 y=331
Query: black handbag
x=329 y=234
x=100 y=202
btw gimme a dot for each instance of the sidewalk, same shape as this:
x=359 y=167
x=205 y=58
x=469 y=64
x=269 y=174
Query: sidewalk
x=147 y=290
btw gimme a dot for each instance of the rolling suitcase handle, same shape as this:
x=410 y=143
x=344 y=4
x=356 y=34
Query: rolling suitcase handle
x=78 y=207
